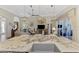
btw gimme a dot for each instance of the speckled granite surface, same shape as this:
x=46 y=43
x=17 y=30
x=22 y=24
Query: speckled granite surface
x=24 y=43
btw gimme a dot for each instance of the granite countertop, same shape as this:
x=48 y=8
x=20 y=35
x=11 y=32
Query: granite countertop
x=27 y=48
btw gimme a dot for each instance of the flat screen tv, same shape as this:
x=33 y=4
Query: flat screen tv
x=59 y=26
x=41 y=26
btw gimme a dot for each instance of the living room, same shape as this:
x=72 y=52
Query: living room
x=32 y=26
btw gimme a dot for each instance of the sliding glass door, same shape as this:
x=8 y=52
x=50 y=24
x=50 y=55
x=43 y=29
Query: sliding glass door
x=65 y=27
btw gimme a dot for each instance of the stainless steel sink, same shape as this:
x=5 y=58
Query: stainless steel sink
x=44 y=48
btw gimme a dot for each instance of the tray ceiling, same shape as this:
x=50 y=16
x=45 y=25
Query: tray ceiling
x=30 y=10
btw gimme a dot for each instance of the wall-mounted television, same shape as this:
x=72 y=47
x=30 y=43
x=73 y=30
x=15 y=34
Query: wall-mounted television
x=41 y=26
x=59 y=26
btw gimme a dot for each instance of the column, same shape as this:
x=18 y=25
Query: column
x=49 y=22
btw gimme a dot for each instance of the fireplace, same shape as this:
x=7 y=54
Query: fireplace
x=41 y=26
x=41 y=29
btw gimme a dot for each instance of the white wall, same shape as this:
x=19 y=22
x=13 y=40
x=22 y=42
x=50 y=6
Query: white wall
x=77 y=13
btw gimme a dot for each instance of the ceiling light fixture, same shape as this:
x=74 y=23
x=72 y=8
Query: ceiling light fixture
x=31 y=6
x=33 y=12
x=51 y=5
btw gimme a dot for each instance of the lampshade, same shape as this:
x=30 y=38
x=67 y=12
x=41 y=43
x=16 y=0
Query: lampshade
x=53 y=28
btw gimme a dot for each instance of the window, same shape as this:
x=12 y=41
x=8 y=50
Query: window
x=65 y=28
x=2 y=29
x=2 y=26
